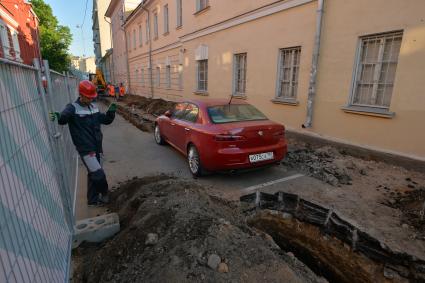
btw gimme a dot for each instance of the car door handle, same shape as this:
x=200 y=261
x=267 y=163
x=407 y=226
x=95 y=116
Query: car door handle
x=172 y=124
x=187 y=129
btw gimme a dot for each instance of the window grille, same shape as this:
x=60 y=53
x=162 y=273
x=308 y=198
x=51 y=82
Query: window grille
x=289 y=65
x=240 y=74
x=376 y=69
x=202 y=74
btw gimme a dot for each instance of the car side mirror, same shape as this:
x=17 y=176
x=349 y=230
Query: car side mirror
x=168 y=113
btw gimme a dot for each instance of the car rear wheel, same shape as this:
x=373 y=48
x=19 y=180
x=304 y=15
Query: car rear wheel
x=194 y=161
x=158 y=137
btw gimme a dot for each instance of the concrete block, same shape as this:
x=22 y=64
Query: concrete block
x=96 y=229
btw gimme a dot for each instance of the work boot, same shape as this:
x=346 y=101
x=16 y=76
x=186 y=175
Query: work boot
x=104 y=199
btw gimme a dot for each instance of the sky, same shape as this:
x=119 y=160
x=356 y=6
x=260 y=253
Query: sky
x=71 y=13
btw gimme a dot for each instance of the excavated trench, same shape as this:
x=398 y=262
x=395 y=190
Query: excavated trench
x=329 y=245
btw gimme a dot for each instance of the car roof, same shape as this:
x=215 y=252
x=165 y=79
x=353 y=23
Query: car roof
x=214 y=101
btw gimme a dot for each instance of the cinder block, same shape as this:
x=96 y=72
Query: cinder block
x=96 y=229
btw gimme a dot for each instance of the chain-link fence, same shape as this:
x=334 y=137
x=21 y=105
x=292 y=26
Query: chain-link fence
x=38 y=167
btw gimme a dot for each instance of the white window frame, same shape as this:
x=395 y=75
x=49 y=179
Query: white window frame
x=199 y=64
x=16 y=46
x=158 y=76
x=129 y=41
x=179 y=19
x=180 y=71
x=147 y=31
x=168 y=76
x=202 y=5
x=140 y=35
x=4 y=38
x=166 y=19
x=294 y=70
x=134 y=39
x=155 y=25
x=239 y=73
x=377 y=71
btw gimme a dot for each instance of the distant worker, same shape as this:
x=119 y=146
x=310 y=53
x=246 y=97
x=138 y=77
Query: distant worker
x=122 y=90
x=84 y=121
x=111 y=90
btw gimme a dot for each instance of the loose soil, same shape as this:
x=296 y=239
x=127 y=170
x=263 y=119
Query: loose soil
x=368 y=180
x=193 y=228
x=155 y=107
x=139 y=110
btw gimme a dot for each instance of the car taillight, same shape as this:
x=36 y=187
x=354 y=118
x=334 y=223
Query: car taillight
x=225 y=137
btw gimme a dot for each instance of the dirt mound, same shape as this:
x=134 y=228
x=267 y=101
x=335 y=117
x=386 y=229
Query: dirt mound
x=151 y=106
x=412 y=205
x=324 y=163
x=173 y=231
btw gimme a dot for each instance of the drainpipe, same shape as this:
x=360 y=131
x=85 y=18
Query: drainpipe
x=313 y=72
x=150 y=50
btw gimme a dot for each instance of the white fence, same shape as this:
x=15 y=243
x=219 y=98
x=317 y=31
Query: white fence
x=38 y=167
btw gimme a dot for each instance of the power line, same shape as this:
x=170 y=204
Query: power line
x=81 y=26
x=85 y=12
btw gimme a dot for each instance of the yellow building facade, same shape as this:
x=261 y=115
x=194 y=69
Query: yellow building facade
x=369 y=86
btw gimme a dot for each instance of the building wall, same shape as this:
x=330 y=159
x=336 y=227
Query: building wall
x=404 y=132
x=117 y=12
x=101 y=29
x=260 y=29
x=106 y=65
x=88 y=65
x=85 y=65
x=19 y=29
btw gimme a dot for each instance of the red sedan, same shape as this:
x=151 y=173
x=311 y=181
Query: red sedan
x=215 y=135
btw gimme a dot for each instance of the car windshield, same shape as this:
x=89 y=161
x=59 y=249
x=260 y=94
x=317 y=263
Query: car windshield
x=234 y=113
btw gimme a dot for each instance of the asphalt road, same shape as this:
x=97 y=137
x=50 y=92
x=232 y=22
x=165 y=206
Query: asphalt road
x=129 y=152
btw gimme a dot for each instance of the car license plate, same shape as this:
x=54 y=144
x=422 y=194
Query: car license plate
x=260 y=157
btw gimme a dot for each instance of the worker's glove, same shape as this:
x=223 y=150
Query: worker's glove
x=112 y=107
x=54 y=115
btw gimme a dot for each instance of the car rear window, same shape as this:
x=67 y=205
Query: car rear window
x=234 y=113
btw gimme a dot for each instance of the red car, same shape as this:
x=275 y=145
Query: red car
x=216 y=135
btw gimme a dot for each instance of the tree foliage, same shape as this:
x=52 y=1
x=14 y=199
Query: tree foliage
x=55 y=39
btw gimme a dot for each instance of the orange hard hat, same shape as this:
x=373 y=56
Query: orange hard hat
x=87 y=89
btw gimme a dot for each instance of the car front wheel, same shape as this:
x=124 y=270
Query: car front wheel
x=194 y=161
x=158 y=137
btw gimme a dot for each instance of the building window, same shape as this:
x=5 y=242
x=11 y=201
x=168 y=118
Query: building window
x=4 y=38
x=128 y=42
x=289 y=65
x=166 y=26
x=140 y=35
x=142 y=76
x=180 y=70
x=134 y=39
x=179 y=13
x=201 y=5
x=155 y=26
x=168 y=76
x=202 y=75
x=158 y=76
x=147 y=31
x=376 y=69
x=239 y=75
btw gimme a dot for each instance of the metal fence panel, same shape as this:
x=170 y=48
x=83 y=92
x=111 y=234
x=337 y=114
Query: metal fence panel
x=35 y=225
